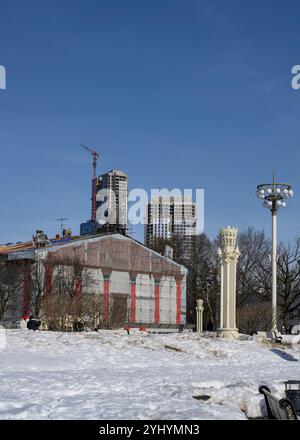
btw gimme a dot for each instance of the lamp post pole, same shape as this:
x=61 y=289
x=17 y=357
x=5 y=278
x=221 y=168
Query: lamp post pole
x=274 y=196
x=274 y=269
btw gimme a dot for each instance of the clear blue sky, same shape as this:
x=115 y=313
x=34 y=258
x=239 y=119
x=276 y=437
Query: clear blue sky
x=188 y=94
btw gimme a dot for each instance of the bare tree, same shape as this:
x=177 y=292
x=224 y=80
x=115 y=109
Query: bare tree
x=11 y=281
x=71 y=283
x=74 y=301
x=203 y=280
x=254 y=317
x=203 y=274
x=288 y=275
x=39 y=282
x=253 y=270
x=254 y=274
x=176 y=242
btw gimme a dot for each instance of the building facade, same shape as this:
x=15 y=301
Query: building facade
x=112 y=198
x=171 y=216
x=148 y=287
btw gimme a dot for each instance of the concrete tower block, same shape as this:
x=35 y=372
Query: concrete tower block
x=199 y=312
x=229 y=255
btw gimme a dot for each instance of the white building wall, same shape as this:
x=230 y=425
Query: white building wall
x=167 y=303
x=97 y=282
x=145 y=303
x=145 y=295
x=120 y=282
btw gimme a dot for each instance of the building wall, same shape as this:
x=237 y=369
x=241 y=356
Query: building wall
x=116 y=185
x=145 y=304
x=122 y=266
x=120 y=282
x=168 y=306
x=167 y=217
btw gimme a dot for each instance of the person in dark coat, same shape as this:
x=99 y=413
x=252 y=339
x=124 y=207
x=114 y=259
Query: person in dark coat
x=33 y=324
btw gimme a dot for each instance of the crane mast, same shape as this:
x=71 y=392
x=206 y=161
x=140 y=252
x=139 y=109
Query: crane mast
x=95 y=156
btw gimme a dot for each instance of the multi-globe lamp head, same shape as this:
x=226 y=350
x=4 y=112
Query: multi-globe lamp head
x=274 y=195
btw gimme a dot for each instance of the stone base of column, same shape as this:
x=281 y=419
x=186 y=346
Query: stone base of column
x=229 y=333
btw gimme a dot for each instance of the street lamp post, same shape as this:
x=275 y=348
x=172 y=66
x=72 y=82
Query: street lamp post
x=274 y=196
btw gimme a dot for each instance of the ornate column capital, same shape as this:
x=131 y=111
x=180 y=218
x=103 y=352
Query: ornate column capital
x=228 y=238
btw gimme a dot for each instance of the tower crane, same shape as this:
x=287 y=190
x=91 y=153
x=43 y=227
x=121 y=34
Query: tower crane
x=95 y=156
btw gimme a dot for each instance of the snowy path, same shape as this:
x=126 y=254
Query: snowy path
x=109 y=375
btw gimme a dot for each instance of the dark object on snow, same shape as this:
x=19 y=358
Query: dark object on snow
x=33 y=324
x=292 y=392
x=282 y=409
x=127 y=328
x=78 y=326
x=289 y=330
x=202 y=397
x=278 y=339
x=180 y=328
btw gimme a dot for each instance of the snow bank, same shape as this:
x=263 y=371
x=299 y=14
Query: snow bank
x=110 y=375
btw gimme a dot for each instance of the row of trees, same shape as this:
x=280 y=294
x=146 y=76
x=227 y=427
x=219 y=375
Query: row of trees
x=253 y=279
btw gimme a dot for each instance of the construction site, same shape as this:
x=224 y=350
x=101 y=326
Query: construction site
x=102 y=279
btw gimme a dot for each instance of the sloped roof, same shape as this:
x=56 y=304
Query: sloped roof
x=115 y=251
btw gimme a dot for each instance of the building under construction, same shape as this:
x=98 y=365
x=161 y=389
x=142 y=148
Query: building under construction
x=148 y=287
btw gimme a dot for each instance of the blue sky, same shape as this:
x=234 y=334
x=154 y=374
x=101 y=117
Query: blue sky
x=188 y=94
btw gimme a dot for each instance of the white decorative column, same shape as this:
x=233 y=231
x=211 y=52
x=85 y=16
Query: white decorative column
x=229 y=255
x=199 y=311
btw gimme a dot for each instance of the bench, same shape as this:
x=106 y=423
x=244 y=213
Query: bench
x=273 y=336
x=278 y=409
x=278 y=339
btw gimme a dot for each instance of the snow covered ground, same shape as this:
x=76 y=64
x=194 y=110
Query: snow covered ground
x=110 y=375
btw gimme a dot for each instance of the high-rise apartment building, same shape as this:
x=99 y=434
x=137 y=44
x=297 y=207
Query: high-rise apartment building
x=112 y=198
x=171 y=216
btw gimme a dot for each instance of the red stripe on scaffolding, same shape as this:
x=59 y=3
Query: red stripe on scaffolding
x=178 y=300
x=133 y=300
x=78 y=288
x=105 y=299
x=156 y=295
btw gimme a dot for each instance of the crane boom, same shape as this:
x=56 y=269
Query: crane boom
x=93 y=152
